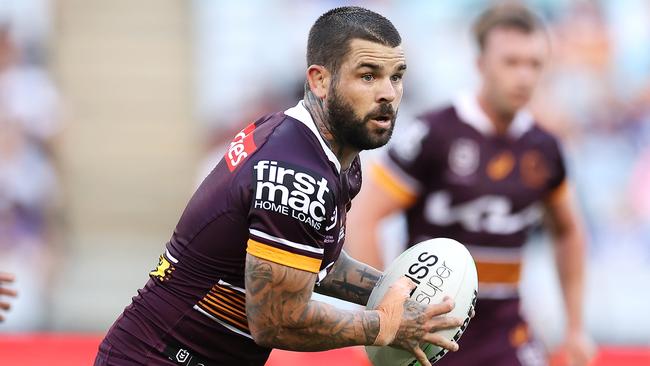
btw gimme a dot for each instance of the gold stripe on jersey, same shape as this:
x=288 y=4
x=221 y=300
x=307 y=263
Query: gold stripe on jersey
x=222 y=312
x=392 y=185
x=283 y=257
x=229 y=305
x=498 y=273
x=226 y=305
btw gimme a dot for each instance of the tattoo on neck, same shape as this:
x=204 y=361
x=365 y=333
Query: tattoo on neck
x=317 y=110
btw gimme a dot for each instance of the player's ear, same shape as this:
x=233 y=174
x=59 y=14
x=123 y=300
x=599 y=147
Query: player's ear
x=319 y=79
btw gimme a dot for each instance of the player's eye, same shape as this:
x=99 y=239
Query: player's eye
x=511 y=61
x=536 y=64
x=396 y=78
x=367 y=77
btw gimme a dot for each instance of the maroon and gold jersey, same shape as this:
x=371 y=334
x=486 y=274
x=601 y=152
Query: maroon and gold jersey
x=461 y=180
x=278 y=194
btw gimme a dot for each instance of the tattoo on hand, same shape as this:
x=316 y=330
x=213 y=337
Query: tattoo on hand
x=413 y=329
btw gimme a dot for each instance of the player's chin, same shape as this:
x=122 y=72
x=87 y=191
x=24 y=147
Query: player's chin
x=519 y=101
x=379 y=138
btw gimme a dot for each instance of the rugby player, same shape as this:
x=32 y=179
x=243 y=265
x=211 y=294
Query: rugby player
x=483 y=172
x=4 y=305
x=266 y=227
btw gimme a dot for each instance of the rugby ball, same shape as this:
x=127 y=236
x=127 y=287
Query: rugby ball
x=439 y=267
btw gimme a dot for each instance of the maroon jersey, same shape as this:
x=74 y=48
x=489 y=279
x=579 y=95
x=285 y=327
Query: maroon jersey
x=278 y=194
x=463 y=181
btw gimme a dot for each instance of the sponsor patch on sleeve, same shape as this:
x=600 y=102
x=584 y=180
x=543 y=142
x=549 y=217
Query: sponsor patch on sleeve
x=240 y=147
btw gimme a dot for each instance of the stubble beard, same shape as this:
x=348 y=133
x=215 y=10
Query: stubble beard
x=349 y=130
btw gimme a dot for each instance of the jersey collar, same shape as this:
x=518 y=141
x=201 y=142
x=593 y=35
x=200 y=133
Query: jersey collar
x=301 y=113
x=470 y=112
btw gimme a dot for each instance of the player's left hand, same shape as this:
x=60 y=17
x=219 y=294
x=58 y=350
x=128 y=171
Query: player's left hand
x=579 y=348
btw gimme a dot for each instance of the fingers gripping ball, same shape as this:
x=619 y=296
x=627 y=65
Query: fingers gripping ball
x=391 y=309
x=439 y=267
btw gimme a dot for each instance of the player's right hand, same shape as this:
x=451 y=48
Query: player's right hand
x=407 y=324
x=5 y=278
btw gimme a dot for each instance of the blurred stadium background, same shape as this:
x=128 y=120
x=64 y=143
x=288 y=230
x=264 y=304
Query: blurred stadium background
x=112 y=111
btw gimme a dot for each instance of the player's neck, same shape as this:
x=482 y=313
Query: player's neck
x=500 y=121
x=317 y=111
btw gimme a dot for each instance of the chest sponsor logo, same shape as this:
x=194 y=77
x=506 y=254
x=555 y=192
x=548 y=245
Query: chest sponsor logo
x=463 y=157
x=490 y=214
x=291 y=192
x=240 y=147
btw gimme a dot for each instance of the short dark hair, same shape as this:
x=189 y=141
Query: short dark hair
x=332 y=32
x=508 y=15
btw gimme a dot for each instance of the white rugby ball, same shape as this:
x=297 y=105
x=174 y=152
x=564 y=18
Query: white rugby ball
x=439 y=267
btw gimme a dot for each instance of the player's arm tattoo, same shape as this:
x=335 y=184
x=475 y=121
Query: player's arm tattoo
x=282 y=315
x=349 y=280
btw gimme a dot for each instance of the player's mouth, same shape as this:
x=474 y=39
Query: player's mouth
x=382 y=121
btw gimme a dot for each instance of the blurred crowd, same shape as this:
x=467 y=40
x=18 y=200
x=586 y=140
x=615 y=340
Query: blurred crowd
x=597 y=98
x=29 y=123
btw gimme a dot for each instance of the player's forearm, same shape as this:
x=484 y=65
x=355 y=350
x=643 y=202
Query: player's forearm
x=349 y=280
x=320 y=326
x=281 y=315
x=570 y=256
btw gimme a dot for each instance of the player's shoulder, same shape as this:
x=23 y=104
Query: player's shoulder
x=289 y=150
x=289 y=137
x=296 y=140
x=431 y=124
x=540 y=135
x=439 y=117
x=423 y=135
x=540 y=132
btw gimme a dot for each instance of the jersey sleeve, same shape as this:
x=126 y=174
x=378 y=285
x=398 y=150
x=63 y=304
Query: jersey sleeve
x=557 y=183
x=404 y=168
x=292 y=215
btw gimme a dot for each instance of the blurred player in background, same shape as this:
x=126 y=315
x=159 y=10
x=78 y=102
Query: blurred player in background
x=268 y=225
x=4 y=305
x=483 y=172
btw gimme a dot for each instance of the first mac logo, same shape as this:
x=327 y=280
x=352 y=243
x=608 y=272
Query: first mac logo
x=291 y=191
x=241 y=146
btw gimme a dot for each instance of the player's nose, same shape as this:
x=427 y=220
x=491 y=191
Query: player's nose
x=386 y=91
